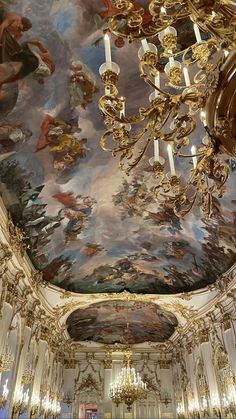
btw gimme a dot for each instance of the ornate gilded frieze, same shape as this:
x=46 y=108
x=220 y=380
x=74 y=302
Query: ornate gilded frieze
x=203 y=336
x=164 y=364
x=226 y=321
x=70 y=364
x=5 y=256
x=17 y=238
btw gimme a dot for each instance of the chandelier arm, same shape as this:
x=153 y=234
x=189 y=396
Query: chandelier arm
x=189 y=155
x=135 y=16
x=150 y=83
x=184 y=211
x=164 y=120
x=138 y=158
x=152 y=7
x=146 y=77
x=206 y=25
x=103 y=140
x=124 y=120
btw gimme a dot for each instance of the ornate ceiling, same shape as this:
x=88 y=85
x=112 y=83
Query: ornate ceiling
x=89 y=228
x=115 y=321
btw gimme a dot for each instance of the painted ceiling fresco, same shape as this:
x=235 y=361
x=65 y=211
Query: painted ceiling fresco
x=90 y=228
x=121 y=322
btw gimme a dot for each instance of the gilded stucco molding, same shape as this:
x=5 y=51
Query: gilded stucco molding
x=5 y=256
x=124 y=296
x=26 y=290
x=187 y=312
x=164 y=364
x=17 y=238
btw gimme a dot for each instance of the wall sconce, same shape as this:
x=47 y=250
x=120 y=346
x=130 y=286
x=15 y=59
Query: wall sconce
x=166 y=399
x=216 y=408
x=50 y=407
x=204 y=406
x=3 y=397
x=68 y=399
x=21 y=403
x=193 y=408
x=35 y=406
x=180 y=411
x=217 y=412
x=228 y=404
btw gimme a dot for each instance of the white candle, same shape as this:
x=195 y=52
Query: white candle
x=107 y=91
x=157 y=83
x=197 y=32
x=193 y=151
x=172 y=62
x=203 y=118
x=157 y=80
x=145 y=45
x=171 y=160
x=122 y=112
x=163 y=10
x=108 y=51
x=156 y=150
x=186 y=76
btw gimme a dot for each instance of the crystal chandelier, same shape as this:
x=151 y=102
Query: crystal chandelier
x=128 y=386
x=28 y=374
x=181 y=81
x=6 y=360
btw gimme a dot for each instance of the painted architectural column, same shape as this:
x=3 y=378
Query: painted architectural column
x=34 y=403
x=117 y=411
x=5 y=323
x=21 y=365
x=210 y=370
x=107 y=404
x=228 y=336
x=100 y=411
x=50 y=381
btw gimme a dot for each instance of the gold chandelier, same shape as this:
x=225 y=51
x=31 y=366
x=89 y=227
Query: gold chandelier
x=178 y=99
x=28 y=373
x=128 y=386
x=6 y=360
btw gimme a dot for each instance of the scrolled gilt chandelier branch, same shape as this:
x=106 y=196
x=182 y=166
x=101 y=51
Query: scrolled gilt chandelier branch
x=178 y=98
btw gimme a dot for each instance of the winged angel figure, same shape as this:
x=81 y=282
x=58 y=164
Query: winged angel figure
x=18 y=60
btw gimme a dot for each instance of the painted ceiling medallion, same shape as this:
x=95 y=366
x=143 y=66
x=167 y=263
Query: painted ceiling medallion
x=106 y=323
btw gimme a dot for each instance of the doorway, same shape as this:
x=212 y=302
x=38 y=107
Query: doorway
x=88 y=411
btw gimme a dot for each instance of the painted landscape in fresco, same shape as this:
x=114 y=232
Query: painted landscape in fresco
x=90 y=229
x=115 y=321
